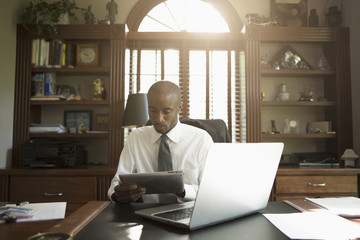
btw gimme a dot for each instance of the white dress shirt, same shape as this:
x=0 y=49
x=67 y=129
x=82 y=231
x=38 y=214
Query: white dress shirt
x=188 y=146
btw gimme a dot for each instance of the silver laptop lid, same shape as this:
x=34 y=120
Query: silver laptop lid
x=237 y=180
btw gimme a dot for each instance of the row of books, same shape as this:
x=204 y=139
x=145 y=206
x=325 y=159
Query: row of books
x=53 y=53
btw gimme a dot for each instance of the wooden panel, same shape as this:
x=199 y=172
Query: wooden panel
x=4 y=188
x=253 y=104
x=302 y=197
x=316 y=184
x=49 y=189
x=291 y=34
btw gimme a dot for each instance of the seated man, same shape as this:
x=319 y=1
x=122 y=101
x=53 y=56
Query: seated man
x=188 y=147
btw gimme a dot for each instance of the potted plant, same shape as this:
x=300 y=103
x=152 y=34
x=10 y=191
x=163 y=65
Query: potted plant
x=46 y=16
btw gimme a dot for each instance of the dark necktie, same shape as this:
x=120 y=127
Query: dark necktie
x=165 y=164
x=164 y=157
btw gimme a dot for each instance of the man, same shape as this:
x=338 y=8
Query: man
x=188 y=147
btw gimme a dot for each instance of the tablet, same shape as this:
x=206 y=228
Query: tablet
x=156 y=182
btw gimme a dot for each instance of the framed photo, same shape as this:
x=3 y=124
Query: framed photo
x=75 y=118
x=87 y=55
x=102 y=122
x=291 y=13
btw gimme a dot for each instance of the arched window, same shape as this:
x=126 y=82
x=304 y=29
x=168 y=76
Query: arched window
x=167 y=40
x=183 y=16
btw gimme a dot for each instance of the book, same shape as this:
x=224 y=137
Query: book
x=49 y=83
x=48 y=98
x=38 y=84
x=47 y=128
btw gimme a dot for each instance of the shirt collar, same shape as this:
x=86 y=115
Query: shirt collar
x=173 y=134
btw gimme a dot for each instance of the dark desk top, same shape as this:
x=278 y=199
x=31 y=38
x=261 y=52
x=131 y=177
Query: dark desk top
x=118 y=221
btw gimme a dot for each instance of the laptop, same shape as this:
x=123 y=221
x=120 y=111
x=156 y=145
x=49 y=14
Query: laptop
x=237 y=180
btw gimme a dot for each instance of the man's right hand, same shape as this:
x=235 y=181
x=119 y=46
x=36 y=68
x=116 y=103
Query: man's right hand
x=127 y=193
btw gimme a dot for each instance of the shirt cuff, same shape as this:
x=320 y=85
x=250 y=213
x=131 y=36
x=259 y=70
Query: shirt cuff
x=190 y=192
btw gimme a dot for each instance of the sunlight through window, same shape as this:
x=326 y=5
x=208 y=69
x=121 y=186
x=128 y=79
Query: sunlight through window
x=183 y=15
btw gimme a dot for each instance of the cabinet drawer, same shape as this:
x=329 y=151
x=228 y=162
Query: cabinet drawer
x=316 y=184
x=48 y=189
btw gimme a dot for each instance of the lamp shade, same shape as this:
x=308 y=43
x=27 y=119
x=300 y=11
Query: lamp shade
x=136 y=111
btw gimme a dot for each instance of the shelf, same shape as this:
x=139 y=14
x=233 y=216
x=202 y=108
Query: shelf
x=78 y=70
x=298 y=135
x=297 y=72
x=298 y=104
x=81 y=102
x=69 y=135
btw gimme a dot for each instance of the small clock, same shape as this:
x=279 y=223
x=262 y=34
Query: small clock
x=87 y=55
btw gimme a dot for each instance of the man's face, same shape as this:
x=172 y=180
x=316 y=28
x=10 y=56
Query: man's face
x=163 y=111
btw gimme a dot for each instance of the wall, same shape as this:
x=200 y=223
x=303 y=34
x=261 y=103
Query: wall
x=8 y=18
x=11 y=9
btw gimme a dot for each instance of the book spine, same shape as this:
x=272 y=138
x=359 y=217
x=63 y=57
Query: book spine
x=63 y=55
x=38 y=84
x=33 y=52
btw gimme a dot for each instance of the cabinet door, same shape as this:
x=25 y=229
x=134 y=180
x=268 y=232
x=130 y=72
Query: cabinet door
x=295 y=187
x=73 y=190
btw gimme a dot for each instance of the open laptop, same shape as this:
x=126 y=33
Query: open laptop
x=237 y=180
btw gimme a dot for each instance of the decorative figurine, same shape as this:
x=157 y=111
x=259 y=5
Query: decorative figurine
x=112 y=9
x=105 y=21
x=273 y=127
x=263 y=96
x=287 y=126
x=89 y=16
x=99 y=90
x=313 y=18
x=284 y=96
x=81 y=128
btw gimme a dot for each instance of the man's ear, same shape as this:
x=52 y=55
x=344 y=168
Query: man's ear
x=180 y=106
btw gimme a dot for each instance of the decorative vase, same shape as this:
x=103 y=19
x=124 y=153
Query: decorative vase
x=64 y=19
x=313 y=18
x=284 y=95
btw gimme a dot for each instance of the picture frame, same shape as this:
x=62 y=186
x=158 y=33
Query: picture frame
x=291 y=13
x=101 y=122
x=73 y=119
x=87 y=54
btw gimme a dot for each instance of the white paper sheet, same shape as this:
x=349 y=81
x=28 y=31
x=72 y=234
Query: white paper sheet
x=343 y=206
x=314 y=225
x=42 y=211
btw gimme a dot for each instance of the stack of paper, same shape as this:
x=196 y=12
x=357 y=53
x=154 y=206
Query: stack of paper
x=34 y=211
x=343 y=206
x=314 y=225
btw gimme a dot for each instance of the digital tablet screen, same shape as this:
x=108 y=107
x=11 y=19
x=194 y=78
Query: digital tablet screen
x=156 y=182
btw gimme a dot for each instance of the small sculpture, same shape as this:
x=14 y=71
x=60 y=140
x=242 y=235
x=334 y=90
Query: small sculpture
x=273 y=127
x=81 y=128
x=105 y=21
x=263 y=94
x=89 y=16
x=112 y=9
x=99 y=90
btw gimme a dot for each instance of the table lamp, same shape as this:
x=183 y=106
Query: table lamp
x=136 y=111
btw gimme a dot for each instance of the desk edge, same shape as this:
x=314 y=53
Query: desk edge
x=80 y=218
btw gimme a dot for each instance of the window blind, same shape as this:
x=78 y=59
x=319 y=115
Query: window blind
x=210 y=73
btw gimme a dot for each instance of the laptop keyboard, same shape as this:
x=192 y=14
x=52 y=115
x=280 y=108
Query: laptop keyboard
x=177 y=214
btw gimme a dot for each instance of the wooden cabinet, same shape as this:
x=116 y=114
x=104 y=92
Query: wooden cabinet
x=295 y=183
x=74 y=186
x=328 y=85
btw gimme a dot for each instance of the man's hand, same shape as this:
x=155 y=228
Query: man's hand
x=127 y=193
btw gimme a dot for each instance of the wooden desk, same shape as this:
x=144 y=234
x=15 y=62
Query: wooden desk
x=118 y=221
x=70 y=225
